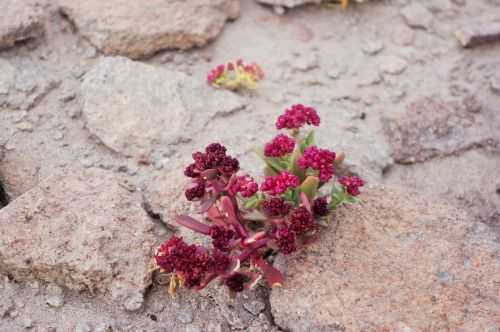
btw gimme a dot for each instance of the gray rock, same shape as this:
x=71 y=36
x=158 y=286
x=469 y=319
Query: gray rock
x=134 y=108
x=21 y=21
x=121 y=27
x=76 y=235
x=185 y=317
x=56 y=301
x=23 y=85
x=83 y=327
x=372 y=47
x=27 y=323
x=254 y=307
x=417 y=16
x=289 y=3
x=393 y=65
x=305 y=62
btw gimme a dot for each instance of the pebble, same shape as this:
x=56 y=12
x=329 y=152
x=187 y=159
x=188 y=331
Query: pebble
x=254 y=307
x=306 y=62
x=336 y=72
x=393 y=65
x=58 y=135
x=372 y=47
x=279 y=10
x=403 y=36
x=25 y=126
x=134 y=302
x=27 y=323
x=55 y=301
x=185 y=317
x=83 y=327
x=495 y=84
x=417 y=16
x=193 y=328
x=86 y=162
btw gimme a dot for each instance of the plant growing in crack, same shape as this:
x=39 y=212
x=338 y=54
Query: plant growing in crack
x=250 y=223
x=235 y=76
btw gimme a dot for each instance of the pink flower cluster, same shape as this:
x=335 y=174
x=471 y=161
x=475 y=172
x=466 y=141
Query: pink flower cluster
x=278 y=184
x=280 y=146
x=320 y=160
x=239 y=67
x=352 y=184
x=245 y=185
x=297 y=116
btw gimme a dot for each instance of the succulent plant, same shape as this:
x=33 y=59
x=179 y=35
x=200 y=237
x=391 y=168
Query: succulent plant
x=235 y=75
x=250 y=223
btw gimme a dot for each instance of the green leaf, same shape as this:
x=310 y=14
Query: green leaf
x=307 y=142
x=252 y=202
x=351 y=199
x=310 y=186
x=294 y=165
x=270 y=162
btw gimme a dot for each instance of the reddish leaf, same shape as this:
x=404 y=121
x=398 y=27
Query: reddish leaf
x=214 y=215
x=193 y=224
x=272 y=275
x=229 y=209
x=207 y=204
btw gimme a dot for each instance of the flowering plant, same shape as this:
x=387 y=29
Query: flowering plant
x=250 y=223
x=235 y=76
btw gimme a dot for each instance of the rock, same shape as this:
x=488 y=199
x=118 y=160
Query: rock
x=417 y=16
x=474 y=35
x=56 y=301
x=372 y=47
x=185 y=317
x=254 y=307
x=289 y=3
x=431 y=128
x=403 y=36
x=475 y=189
x=306 y=62
x=27 y=323
x=393 y=65
x=121 y=27
x=134 y=108
x=21 y=21
x=25 y=126
x=23 y=85
x=495 y=84
x=396 y=262
x=77 y=229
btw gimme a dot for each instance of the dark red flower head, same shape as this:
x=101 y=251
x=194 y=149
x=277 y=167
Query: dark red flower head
x=236 y=282
x=221 y=237
x=214 y=157
x=320 y=160
x=276 y=207
x=280 y=146
x=285 y=239
x=245 y=185
x=196 y=190
x=220 y=262
x=320 y=207
x=297 y=116
x=352 y=184
x=190 y=171
x=301 y=221
x=277 y=185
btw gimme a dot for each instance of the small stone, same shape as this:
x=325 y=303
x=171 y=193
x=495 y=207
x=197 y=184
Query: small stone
x=254 y=307
x=279 y=10
x=372 y=47
x=495 y=84
x=25 y=126
x=417 y=16
x=306 y=62
x=58 y=135
x=193 y=328
x=27 y=323
x=56 y=301
x=336 y=72
x=83 y=327
x=103 y=327
x=87 y=162
x=185 y=317
x=403 y=36
x=134 y=302
x=393 y=65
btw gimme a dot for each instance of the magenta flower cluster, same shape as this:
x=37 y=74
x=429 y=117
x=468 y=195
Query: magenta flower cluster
x=247 y=222
x=297 y=116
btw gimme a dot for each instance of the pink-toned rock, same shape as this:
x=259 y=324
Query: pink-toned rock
x=396 y=262
x=84 y=230
x=20 y=21
x=136 y=30
x=432 y=128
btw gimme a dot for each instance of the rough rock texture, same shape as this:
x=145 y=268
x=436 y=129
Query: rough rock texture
x=133 y=107
x=23 y=85
x=431 y=128
x=70 y=231
x=289 y=3
x=122 y=27
x=470 y=180
x=19 y=21
x=396 y=262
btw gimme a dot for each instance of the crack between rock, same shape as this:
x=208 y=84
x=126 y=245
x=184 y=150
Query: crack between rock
x=269 y=313
x=155 y=217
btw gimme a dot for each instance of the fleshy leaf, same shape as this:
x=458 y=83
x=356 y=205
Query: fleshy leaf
x=207 y=204
x=270 y=162
x=294 y=165
x=229 y=209
x=305 y=201
x=215 y=216
x=193 y=224
x=272 y=275
x=310 y=186
x=307 y=142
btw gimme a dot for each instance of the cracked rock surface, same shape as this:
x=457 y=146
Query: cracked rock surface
x=121 y=27
x=20 y=21
x=397 y=261
x=68 y=231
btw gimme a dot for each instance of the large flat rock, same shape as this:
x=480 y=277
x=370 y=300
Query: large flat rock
x=396 y=262
x=20 y=21
x=431 y=128
x=84 y=230
x=135 y=29
x=134 y=108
